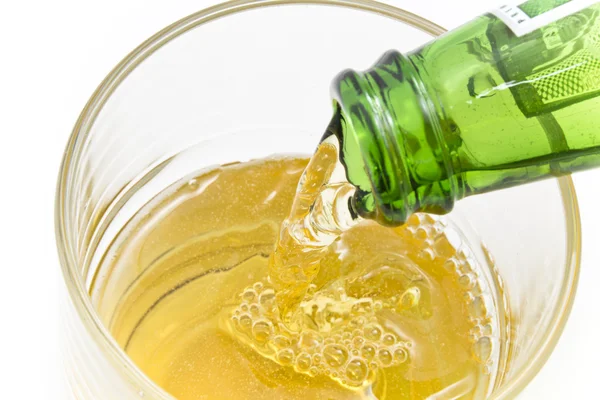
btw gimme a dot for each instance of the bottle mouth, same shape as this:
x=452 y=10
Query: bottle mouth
x=393 y=144
x=370 y=151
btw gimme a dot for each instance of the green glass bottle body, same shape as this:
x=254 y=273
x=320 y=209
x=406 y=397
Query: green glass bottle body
x=477 y=110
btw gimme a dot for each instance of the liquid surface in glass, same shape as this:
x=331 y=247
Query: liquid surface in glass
x=193 y=293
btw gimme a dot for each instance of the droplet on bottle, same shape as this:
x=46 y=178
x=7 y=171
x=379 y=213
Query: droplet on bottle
x=335 y=355
x=357 y=370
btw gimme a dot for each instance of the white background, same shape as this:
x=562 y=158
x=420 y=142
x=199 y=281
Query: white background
x=52 y=56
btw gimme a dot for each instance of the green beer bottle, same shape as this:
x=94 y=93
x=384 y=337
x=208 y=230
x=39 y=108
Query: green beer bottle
x=509 y=98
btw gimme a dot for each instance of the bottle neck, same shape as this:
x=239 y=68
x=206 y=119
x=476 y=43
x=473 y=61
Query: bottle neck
x=393 y=144
x=478 y=109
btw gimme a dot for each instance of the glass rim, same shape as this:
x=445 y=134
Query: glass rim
x=69 y=265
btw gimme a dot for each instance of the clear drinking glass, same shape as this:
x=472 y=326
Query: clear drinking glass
x=247 y=79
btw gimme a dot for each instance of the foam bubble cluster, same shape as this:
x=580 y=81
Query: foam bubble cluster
x=340 y=335
x=443 y=244
x=344 y=331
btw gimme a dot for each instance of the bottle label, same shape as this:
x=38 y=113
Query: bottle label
x=526 y=17
x=554 y=66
